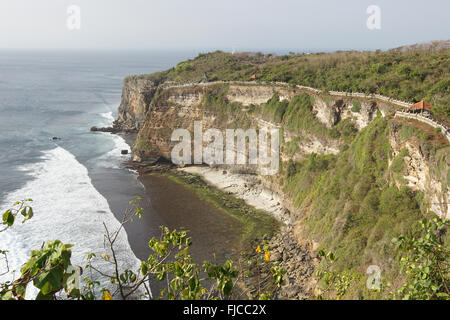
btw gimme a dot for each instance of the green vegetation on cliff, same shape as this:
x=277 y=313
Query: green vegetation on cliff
x=228 y=113
x=355 y=202
x=409 y=76
x=351 y=204
x=297 y=115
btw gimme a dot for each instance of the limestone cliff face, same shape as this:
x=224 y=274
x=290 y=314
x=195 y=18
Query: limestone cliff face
x=170 y=109
x=365 y=114
x=136 y=96
x=256 y=95
x=156 y=112
x=423 y=171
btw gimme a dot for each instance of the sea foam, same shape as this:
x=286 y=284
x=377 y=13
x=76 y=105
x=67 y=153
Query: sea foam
x=114 y=158
x=68 y=208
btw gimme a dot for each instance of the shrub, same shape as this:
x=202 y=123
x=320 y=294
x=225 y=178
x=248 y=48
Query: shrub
x=398 y=162
x=356 y=106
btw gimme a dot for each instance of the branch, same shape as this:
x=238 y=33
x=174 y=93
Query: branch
x=444 y=281
x=7 y=264
x=116 y=268
x=138 y=284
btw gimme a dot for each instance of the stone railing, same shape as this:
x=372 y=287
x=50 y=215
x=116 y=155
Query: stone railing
x=431 y=122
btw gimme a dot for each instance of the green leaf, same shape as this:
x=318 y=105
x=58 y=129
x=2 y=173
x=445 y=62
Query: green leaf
x=71 y=284
x=228 y=287
x=144 y=268
x=42 y=296
x=331 y=256
x=28 y=214
x=6 y=296
x=20 y=290
x=50 y=281
x=8 y=218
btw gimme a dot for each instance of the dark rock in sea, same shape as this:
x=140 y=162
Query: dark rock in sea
x=158 y=164
x=124 y=152
x=56 y=138
x=116 y=127
x=106 y=129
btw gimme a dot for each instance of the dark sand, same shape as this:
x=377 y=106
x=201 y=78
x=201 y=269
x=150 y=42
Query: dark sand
x=215 y=234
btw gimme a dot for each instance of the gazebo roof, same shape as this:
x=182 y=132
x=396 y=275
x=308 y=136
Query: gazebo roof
x=420 y=105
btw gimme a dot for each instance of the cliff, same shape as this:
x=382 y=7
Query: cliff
x=156 y=111
x=136 y=97
x=352 y=176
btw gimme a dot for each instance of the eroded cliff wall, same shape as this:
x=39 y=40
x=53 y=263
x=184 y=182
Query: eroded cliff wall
x=422 y=170
x=157 y=111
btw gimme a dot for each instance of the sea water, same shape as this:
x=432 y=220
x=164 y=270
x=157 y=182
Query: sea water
x=47 y=94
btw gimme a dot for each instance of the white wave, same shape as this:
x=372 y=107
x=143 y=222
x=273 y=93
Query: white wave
x=66 y=207
x=108 y=118
x=114 y=158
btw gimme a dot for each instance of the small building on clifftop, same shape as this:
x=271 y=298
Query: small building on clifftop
x=420 y=107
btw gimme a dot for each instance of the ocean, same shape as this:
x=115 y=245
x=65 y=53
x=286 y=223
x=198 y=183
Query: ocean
x=75 y=181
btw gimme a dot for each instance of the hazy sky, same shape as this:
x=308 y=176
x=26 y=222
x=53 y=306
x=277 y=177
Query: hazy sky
x=224 y=24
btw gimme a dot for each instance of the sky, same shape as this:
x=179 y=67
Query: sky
x=297 y=25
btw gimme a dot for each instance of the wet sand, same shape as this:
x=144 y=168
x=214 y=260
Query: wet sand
x=166 y=203
x=214 y=233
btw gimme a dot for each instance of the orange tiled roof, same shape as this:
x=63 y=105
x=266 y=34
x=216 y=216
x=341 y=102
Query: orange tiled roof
x=420 y=105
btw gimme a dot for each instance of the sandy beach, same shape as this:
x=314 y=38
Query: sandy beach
x=243 y=186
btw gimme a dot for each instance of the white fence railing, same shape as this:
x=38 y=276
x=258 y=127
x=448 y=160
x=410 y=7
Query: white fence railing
x=445 y=130
x=370 y=96
x=431 y=122
x=334 y=93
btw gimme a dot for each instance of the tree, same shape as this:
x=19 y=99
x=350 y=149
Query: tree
x=425 y=262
